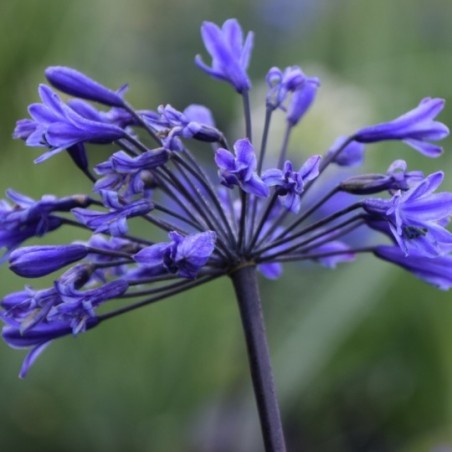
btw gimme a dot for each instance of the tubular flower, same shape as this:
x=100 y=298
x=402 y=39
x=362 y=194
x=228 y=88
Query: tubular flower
x=415 y=128
x=229 y=219
x=230 y=55
x=416 y=217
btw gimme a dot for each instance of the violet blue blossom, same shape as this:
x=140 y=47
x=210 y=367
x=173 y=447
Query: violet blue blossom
x=59 y=127
x=415 y=128
x=231 y=218
x=183 y=255
x=240 y=169
x=289 y=183
x=230 y=55
x=416 y=217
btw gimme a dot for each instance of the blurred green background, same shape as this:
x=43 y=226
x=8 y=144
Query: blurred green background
x=362 y=355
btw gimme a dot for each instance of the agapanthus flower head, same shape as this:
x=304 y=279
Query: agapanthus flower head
x=161 y=223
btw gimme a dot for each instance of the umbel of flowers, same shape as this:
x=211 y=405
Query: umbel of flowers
x=249 y=216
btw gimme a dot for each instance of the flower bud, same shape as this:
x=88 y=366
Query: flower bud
x=35 y=261
x=76 y=84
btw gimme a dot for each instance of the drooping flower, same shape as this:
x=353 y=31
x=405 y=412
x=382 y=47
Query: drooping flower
x=77 y=307
x=59 y=127
x=127 y=174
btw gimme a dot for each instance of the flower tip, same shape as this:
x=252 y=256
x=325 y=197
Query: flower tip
x=50 y=71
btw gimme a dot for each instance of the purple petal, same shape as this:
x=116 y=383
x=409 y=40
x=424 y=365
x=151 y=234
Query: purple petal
x=427 y=149
x=32 y=356
x=152 y=255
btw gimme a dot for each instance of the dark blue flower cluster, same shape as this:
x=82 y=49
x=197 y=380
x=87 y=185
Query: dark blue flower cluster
x=250 y=215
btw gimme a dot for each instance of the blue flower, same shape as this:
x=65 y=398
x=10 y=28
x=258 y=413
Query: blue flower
x=29 y=307
x=78 y=307
x=415 y=128
x=28 y=218
x=240 y=169
x=230 y=55
x=37 y=338
x=195 y=122
x=416 y=217
x=59 y=127
x=183 y=255
x=289 y=183
x=127 y=174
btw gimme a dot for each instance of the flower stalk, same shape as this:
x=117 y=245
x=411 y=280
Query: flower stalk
x=246 y=288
